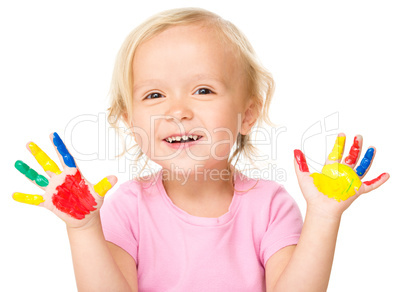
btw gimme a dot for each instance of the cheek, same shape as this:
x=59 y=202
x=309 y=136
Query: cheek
x=141 y=131
x=223 y=143
x=225 y=135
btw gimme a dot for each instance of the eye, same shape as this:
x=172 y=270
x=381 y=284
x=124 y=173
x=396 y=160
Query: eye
x=204 y=91
x=153 y=95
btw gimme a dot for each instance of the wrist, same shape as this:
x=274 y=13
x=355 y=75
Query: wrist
x=92 y=223
x=319 y=213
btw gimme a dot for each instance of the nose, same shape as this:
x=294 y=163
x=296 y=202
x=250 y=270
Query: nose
x=179 y=109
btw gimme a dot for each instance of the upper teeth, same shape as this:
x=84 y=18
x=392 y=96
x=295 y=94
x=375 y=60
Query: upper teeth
x=178 y=138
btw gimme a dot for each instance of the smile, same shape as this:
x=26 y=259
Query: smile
x=182 y=139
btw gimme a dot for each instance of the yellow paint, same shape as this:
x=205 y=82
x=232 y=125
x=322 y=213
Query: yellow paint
x=102 y=187
x=43 y=159
x=28 y=199
x=337 y=181
x=337 y=151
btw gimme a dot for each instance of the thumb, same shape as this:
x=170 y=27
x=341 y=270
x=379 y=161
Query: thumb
x=300 y=165
x=300 y=159
x=102 y=187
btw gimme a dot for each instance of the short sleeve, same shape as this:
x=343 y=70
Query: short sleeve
x=284 y=224
x=119 y=217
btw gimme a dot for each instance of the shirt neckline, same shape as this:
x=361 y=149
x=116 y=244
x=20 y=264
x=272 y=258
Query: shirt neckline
x=203 y=221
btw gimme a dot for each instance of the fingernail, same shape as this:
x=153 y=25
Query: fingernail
x=68 y=159
x=301 y=160
x=353 y=153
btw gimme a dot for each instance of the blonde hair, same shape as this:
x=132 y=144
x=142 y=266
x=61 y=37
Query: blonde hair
x=259 y=80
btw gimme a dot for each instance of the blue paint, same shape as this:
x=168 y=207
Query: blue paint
x=68 y=159
x=365 y=163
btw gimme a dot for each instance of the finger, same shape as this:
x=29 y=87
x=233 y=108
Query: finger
x=28 y=198
x=375 y=183
x=31 y=174
x=355 y=151
x=65 y=157
x=366 y=162
x=337 y=150
x=301 y=160
x=301 y=167
x=47 y=164
x=102 y=187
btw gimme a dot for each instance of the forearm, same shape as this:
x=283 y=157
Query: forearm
x=94 y=266
x=310 y=265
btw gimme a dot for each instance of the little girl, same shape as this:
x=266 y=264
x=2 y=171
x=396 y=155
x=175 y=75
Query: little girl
x=189 y=86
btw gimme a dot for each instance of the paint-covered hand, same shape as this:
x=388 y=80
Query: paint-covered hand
x=67 y=193
x=339 y=184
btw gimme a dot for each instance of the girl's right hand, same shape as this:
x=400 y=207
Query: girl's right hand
x=67 y=193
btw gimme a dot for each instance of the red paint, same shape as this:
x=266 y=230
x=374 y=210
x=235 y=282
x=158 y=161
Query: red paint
x=301 y=160
x=374 y=180
x=73 y=197
x=353 y=153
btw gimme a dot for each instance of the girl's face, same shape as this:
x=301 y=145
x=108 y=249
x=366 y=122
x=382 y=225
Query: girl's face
x=187 y=83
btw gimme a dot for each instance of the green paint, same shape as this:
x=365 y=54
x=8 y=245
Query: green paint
x=41 y=181
x=31 y=174
x=351 y=183
x=21 y=166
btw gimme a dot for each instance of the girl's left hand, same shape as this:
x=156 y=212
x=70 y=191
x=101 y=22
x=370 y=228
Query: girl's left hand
x=331 y=192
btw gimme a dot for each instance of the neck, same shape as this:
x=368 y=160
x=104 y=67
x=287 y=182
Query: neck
x=201 y=188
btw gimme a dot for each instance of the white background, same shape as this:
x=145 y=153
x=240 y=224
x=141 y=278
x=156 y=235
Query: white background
x=340 y=60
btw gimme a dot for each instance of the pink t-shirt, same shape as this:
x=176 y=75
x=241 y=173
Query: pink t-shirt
x=176 y=251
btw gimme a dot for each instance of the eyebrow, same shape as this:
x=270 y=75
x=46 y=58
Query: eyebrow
x=196 y=77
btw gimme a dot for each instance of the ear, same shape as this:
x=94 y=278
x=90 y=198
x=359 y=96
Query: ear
x=249 y=118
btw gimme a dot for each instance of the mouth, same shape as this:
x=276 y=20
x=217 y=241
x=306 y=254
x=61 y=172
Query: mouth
x=182 y=138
